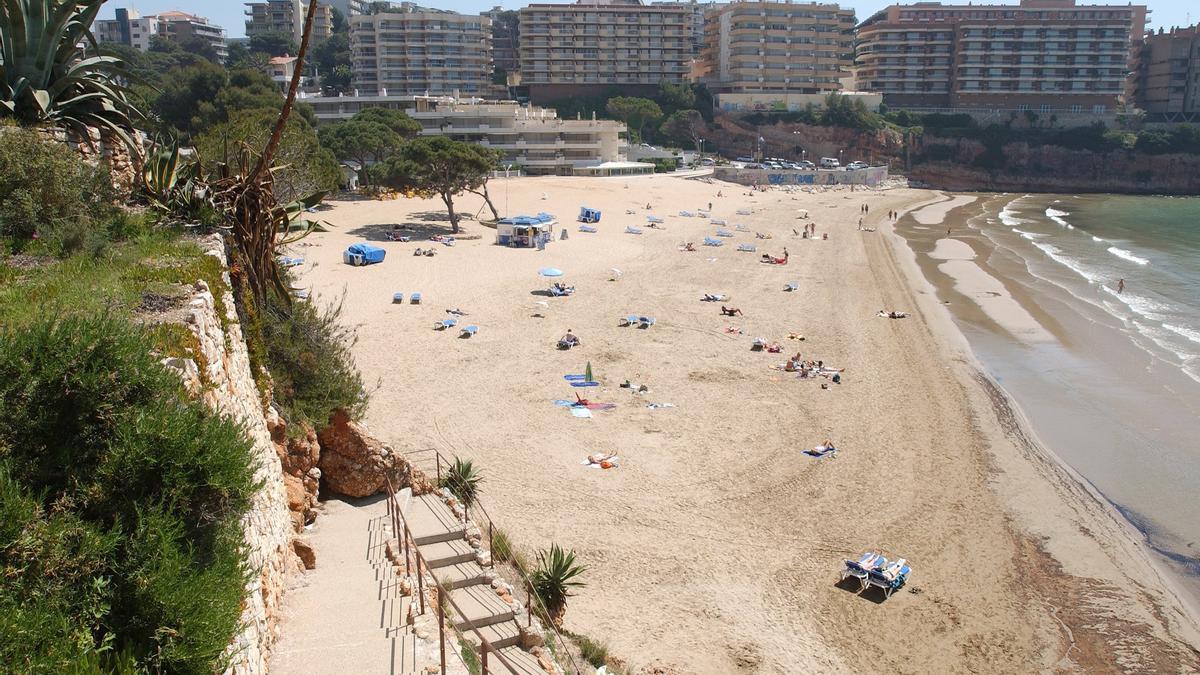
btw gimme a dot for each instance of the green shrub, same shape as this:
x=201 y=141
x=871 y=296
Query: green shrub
x=595 y=653
x=502 y=546
x=662 y=165
x=45 y=184
x=308 y=354
x=463 y=479
x=120 y=505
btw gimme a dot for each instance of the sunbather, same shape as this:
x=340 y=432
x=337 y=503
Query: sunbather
x=688 y=247
x=713 y=297
x=774 y=348
x=456 y=312
x=570 y=339
x=730 y=311
x=892 y=315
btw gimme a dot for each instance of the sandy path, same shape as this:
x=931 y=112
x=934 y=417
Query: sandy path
x=717 y=544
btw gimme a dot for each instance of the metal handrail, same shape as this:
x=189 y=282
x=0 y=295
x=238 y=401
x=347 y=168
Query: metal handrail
x=532 y=597
x=408 y=543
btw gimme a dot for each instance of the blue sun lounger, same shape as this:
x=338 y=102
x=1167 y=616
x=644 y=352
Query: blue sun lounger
x=724 y=233
x=791 y=286
x=415 y=298
x=445 y=323
x=290 y=262
x=717 y=222
x=397 y=298
x=709 y=241
x=654 y=219
x=627 y=320
x=469 y=331
x=741 y=228
x=748 y=248
x=859 y=568
x=687 y=214
x=587 y=228
x=891 y=579
x=744 y=212
x=645 y=321
x=633 y=230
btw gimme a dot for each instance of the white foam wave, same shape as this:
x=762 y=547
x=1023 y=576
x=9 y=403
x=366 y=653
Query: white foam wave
x=1127 y=255
x=1189 y=333
x=1008 y=216
x=1163 y=340
x=1057 y=216
x=1148 y=308
x=1098 y=239
x=1055 y=253
x=1028 y=235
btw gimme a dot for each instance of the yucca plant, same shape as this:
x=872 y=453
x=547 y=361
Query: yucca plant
x=463 y=479
x=46 y=77
x=552 y=581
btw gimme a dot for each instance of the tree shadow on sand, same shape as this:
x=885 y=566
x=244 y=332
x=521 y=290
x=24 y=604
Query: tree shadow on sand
x=420 y=227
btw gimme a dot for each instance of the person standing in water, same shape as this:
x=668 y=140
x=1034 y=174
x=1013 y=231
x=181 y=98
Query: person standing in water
x=1120 y=286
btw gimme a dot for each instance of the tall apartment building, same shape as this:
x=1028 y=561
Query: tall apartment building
x=351 y=7
x=1041 y=55
x=1169 y=74
x=697 y=11
x=287 y=17
x=594 y=46
x=420 y=51
x=130 y=28
x=767 y=47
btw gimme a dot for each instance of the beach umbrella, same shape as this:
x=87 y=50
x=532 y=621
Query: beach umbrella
x=550 y=272
x=587 y=374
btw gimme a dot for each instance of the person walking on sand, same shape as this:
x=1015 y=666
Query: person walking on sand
x=1120 y=286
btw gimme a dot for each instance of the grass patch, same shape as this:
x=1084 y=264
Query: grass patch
x=120 y=505
x=595 y=653
x=469 y=657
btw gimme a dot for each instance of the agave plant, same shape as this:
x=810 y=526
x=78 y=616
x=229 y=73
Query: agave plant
x=553 y=580
x=46 y=77
x=173 y=184
x=463 y=479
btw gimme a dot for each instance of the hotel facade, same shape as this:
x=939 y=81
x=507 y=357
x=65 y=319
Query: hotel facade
x=1169 y=75
x=1041 y=55
x=411 y=50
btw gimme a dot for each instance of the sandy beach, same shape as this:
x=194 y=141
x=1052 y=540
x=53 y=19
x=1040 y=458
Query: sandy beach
x=716 y=545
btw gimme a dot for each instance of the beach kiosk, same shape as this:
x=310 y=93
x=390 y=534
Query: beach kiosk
x=363 y=254
x=589 y=215
x=524 y=231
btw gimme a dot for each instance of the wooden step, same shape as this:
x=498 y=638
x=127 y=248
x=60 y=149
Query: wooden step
x=460 y=574
x=430 y=520
x=443 y=553
x=480 y=606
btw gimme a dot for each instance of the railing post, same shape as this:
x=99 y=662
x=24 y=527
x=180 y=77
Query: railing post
x=483 y=658
x=438 y=456
x=491 y=545
x=442 y=628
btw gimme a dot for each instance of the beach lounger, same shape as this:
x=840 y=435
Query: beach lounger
x=290 y=262
x=741 y=228
x=654 y=219
x=791 y=286
x=718 y=222
x=627 y=320
x=703 y=214
x=709 y=241
x=415 y=298
x=749 y=248
x=633 y=230
x=687 y=214
x=891 y=578
x=301 y=294
x=645 y=321
x=469 y=331
x=724 y=233
x=744 y=212
x=398 y=298
x=859 y=568
x=586 y=228
x=445 y=323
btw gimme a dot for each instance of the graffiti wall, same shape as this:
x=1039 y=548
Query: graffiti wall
x=870 y=176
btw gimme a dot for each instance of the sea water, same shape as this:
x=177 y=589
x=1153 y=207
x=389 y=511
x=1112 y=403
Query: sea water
x=1117 y=394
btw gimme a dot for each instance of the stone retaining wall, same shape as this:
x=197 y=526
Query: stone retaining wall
x=870 y=176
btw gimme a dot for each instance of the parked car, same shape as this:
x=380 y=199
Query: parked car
x=830 y=163
x=806 y=165
x=744 y=159
x=852 y=166
x=707 y=161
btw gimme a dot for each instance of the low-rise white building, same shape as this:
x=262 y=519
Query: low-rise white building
x=532 y=139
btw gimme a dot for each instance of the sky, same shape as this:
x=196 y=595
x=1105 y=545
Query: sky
x=229 y=13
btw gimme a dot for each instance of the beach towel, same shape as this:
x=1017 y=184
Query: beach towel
x=574 y=378
x=585 y=384
x=578 y=411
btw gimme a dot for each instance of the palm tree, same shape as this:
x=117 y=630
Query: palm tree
x=553 y=580
x=47 y=78
x=463 y=479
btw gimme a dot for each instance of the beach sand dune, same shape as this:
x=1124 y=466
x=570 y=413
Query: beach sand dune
x=716 y=545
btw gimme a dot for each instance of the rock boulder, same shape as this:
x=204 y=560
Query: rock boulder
x=355 y=464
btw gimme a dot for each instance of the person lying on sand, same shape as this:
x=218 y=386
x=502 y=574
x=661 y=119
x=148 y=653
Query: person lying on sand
x=713 y=297
x=796 y=336
x=892 y=315
x=825 y=447
x=688 y=247
x=730 y=311
x=456 y=312
x=774 y=348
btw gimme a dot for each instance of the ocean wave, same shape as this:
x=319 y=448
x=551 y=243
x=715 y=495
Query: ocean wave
x=1164 y=340
x=1008 y=216
x=1189 y=333
x=1057 y=216
x=1150 y=309
x=1028 y=235
x=1055 y=253
x=1099 y=239
x=1127 y=255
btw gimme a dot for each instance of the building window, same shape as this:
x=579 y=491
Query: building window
x=1076 y=108
x=1099 y=109
x=1022 y=107
x=1045 y=107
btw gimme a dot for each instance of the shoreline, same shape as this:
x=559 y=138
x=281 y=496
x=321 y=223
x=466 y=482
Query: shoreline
x=1021 y=431
x=715 y=529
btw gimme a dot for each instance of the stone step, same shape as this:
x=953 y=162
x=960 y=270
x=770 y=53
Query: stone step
x=501 y=634
x=522 y=661
x=444 y=553
x=480 y=607
x=461 y=574
x=394 y=615
x=430 y=520
x=404 y=653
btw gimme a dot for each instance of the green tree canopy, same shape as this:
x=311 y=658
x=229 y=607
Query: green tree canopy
x=396 y=120
x=275 y=44
x=308 y=168
x=674 y=97
x=362 y=141
x=240 y=57
x=684 y=126
x=634 y=111
x=194 y=99
x=436 y=165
